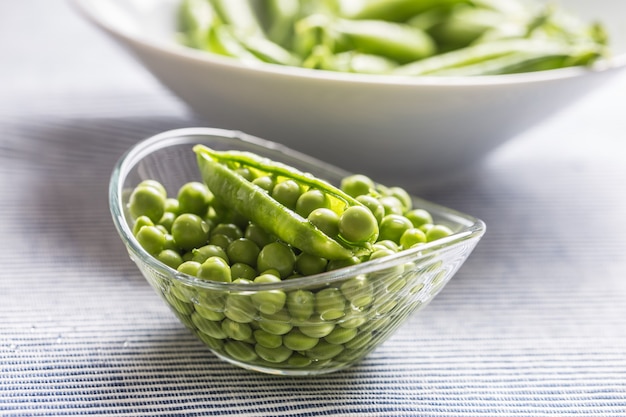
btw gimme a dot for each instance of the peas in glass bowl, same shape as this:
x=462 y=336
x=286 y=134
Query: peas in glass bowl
x=278 y=262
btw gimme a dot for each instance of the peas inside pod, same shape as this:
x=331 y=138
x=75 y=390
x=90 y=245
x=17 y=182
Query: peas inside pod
x=251 y=220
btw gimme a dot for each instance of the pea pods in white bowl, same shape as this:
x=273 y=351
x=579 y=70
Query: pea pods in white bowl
x=424 y=128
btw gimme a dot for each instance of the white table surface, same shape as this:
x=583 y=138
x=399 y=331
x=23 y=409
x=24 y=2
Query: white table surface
x=534 y=324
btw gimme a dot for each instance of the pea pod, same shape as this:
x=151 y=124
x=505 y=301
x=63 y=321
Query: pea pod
x=261 y=208
x=485 y=54
x=392 y=10
x=396 y=41
x=195 y=19
x=240 y=15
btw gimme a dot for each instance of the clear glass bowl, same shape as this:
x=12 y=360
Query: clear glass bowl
x=375 y=296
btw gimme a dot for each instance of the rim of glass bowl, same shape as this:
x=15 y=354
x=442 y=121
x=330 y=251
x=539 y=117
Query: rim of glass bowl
x=474 y=228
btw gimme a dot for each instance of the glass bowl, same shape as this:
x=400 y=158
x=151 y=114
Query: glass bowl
x=371 y=299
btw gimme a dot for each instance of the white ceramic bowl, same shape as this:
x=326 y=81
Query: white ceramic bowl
x=388 y=127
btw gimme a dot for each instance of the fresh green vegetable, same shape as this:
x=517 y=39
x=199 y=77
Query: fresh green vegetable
x=397 y=37
x=254 y=221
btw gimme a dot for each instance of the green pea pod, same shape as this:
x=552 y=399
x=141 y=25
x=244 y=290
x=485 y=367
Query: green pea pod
x=268 y=51
x=281 y=17
x=397 y=41
x=476 y=54
x=392 y=10
x=528 y=61
x=463 y=25
x=222 y=41
x=240 y=15
x=262 y=209
x=352 y=61
x=195 y=19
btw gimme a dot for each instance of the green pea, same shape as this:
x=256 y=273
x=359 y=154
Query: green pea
x=360 y=341
x=243 y=250
x=162 y=229
x=277 y=256
x=357 y=224
x=266 y=339
x=229 y=229
x=308 y=264
x=190 y=231
x=358 y=290
x=167 y=220
x=239 y=308
x=317 y=327
x=341 y=335
x=240 y=270
x=212 y=328
x=419 y=217
x=330 y=303
x=278 y=323
x=220 y=240
x=386 y=244
x=412 y=237
x=343 y=263
x=189 y=268
x=236 y=330
x=240 y=351
x=353 y=319
x=194 y=197
x=426 y=227
x=170 y=243
x=181 y=291
x=287 y=193
x=212 y=300
x=215 y=269
x=296 y=360
x=208 y=251
x=259 y=236
x=211 y=342
x=151 y=239
x=298 y=341
x=270 y=301
x=311 y=200
x=146 y=201
x=326 y=220
x=324 y=350
x=403 y=196
x=208 y=313
x=245 y=173
x=170 y=258
x=172 y=206
x=154 y=184
x=274 y=355
x=392 y=205
x=300 y=304
x=266 y=182
x=182 y=307
x=437 y=232
x=375 y=206
x=356 y=185
x=393 y=226
x=140 y=222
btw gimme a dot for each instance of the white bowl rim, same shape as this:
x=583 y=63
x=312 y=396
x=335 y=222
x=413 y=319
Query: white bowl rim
x=474 y=230
x=173 y=49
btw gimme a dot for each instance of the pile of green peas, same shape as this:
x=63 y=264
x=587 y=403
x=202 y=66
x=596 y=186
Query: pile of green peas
x=196 y=234
x=187 y=233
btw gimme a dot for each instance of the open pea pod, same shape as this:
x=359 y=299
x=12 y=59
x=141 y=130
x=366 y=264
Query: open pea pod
x=222 y=173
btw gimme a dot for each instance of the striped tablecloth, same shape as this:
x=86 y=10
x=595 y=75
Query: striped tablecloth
x=534 y=324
